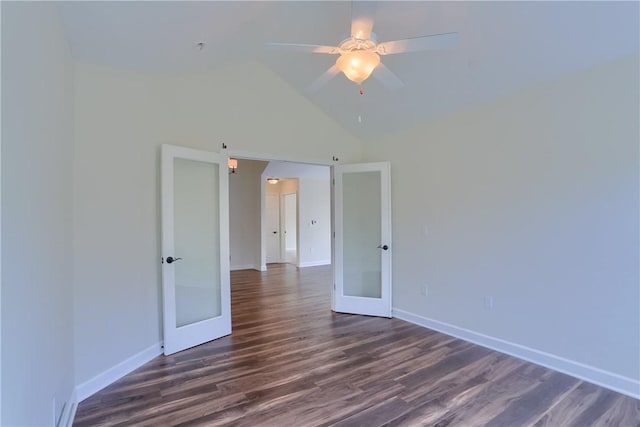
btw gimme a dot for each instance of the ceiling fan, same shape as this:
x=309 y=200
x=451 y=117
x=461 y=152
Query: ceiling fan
x=360 y=53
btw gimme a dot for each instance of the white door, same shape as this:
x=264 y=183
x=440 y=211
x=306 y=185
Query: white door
x=362 y=272
x=290 y=222
x=195 y=247
x=272 y=206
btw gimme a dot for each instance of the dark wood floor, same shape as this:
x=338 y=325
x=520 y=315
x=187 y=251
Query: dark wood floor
x=292 y=362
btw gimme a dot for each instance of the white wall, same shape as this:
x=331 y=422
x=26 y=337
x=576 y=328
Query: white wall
x=37 y=143
x=533 y=200
x=121 y=120
x=122 y=117
x=244 y=214
x=314 y=204
x=284 y=186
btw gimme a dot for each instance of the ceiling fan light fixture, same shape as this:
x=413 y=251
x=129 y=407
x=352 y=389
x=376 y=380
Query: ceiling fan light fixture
x=273 y=180
x=358 y=65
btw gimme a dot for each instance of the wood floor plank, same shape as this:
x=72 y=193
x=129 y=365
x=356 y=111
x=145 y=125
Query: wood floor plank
x=593 y=405
x=290 y=361
x=377 y=415
x=526 y=408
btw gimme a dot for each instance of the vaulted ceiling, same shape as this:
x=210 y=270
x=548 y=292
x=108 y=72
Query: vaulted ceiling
x=504 y=47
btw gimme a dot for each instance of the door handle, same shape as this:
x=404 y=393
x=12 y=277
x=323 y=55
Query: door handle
x=275 y=232
x=383 y=247
x=171 y=259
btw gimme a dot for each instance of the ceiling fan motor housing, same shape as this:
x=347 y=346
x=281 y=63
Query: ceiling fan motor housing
x=352 y=43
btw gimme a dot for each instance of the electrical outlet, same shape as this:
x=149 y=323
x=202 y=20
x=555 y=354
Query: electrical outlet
x=488 y=302
x=424 y=290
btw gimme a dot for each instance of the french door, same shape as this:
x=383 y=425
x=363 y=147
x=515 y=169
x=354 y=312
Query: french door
x=195 y=247
x=362 y=220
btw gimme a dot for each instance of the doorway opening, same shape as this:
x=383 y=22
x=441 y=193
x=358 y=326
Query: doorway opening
x=279 y=212
x=358 y=248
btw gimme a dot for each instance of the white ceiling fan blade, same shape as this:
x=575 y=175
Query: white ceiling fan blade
x=323 y=79
x=362 y=17
x=387 y=77
x=418 y=44
x=309 y=48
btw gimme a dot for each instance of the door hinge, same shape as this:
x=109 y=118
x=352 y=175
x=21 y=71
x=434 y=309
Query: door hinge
x=334 y=286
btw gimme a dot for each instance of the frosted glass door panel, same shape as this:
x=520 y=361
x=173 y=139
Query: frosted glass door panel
x=362 y=234
x=197 y=241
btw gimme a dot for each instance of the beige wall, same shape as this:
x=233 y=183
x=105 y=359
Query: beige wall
x=245 y=214
x=37 y=153
x=122 y=117
x=531 y=199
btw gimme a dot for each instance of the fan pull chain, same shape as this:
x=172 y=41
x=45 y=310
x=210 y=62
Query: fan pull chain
x=361 y=91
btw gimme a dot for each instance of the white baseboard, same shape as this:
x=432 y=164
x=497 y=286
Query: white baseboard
x=591 y=374
x=314 y=263
x=69 y=411
x=247 y=267
x=116 y=372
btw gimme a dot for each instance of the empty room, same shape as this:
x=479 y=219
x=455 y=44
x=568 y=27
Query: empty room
x=314 y=213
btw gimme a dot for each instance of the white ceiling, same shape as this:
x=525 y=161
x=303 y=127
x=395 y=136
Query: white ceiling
x=504 y=47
